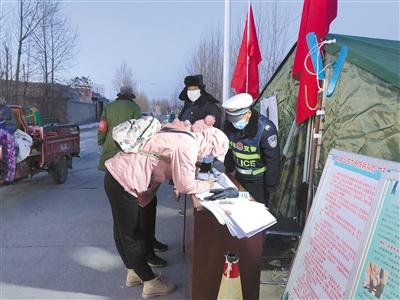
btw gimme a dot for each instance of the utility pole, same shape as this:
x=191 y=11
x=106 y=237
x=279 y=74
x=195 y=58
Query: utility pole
x=227 y=39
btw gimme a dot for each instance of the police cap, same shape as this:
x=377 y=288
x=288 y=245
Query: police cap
x=237 y=106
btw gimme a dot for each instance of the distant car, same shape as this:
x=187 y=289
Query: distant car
x=147 y=114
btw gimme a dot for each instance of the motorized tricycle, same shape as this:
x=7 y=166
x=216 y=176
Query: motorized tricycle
x=52 y=149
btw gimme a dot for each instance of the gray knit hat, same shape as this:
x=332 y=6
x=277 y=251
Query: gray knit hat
x=126 y=90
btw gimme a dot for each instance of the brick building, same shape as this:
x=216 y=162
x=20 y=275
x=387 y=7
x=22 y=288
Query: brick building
x=61 y=102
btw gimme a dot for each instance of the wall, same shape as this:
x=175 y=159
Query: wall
x=80 y=112
x=63 y=103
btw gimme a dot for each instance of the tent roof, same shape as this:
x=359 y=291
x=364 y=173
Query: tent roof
x=377 y=56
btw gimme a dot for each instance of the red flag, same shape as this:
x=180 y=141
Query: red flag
x=248 y=49
x=316 y=17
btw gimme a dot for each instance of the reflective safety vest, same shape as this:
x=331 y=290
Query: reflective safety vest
x=246 y=151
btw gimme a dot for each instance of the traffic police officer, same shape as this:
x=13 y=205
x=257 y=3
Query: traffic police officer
x=253 y=147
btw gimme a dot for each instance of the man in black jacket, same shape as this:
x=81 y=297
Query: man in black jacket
x=198 y=103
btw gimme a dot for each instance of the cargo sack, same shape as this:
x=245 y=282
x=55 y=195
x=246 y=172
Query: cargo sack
x=24 y=142
x=131 y=134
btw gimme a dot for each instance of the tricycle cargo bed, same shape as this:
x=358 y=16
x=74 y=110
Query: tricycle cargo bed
x=59 y=140
x=52 y=149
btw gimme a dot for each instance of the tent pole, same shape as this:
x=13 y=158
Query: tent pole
x=307 y=152
x=316 y=140
x=322 y=115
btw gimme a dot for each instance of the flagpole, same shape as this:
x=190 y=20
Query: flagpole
x=247 y=46
x=227 y=38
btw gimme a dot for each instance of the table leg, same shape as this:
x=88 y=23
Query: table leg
x=184 y=224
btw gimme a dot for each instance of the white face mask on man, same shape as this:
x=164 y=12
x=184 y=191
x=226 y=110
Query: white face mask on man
x=241 y=124
x=193 y=95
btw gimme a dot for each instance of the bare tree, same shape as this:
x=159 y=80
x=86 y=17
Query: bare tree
x=271 y=25
x=55 y=42
x=28 y=21
x=143 y=102
x=28 y=69
x=62 y=44
x=41 y=51
x=7 y=72
x=2 y=42
x=54 y=45
x=6 y=58
x=272 y=30
x=124 y=76
x=161 y=106
x=176 y=103
x=207 y=60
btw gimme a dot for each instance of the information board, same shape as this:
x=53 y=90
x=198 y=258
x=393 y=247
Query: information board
x=338 y=227
x=379 y=273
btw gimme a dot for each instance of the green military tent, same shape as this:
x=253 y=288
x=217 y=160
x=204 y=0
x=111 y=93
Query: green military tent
x=362 y=115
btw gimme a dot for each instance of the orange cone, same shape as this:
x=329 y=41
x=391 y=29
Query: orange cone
x=230 y=287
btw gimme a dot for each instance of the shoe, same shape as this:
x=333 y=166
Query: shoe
x=132 y=279
x=157 y=287
x=155 y=261
x=160 y=247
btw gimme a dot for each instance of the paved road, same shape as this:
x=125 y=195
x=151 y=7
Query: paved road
x=56 y=240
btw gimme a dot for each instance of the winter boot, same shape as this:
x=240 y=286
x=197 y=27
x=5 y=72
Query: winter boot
x=155 y=261
x=157 y=287
x=159 y=247
x=132 y=279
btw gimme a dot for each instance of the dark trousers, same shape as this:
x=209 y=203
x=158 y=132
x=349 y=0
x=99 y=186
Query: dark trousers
x=148 y=223
x=129 y=233
x=256 y=189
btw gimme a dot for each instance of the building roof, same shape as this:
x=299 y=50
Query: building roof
x=99 y=97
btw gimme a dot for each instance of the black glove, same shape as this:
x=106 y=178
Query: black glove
x=223 y=193
x=204 y=168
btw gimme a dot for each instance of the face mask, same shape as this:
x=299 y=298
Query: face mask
x=208 y=159
x=193 y=95
x=240 y=124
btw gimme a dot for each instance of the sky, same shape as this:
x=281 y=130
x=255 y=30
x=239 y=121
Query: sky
x=156 y=38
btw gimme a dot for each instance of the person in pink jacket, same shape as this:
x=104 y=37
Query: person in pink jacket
x=132 y=180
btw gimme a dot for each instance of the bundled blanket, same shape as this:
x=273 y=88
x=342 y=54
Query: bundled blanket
x=9 y=147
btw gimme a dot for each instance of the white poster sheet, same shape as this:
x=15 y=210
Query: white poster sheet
x=378 y=273
x=333 y=235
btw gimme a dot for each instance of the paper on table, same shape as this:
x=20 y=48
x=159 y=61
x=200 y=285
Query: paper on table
x=220 y=206
x=206 y=176
x=222 y=182
x=243 y=217
x=201 y=196
x=222 y=179
x=251 y=217
x=216 y=211
x=246 y=218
